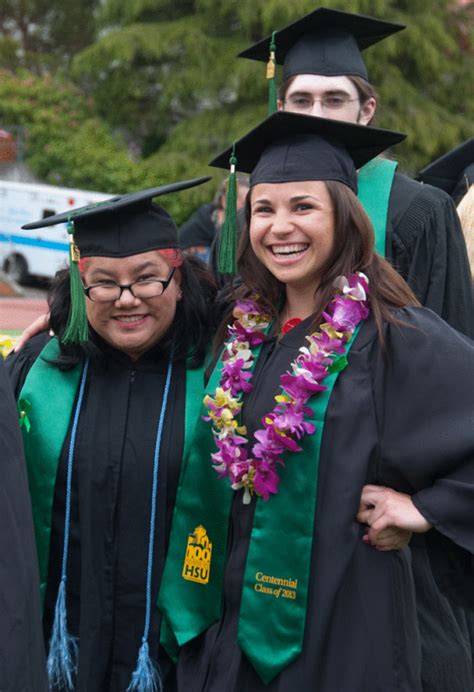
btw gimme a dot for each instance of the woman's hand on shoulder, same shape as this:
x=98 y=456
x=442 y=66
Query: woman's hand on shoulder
x=41 y=324
x=391 y=517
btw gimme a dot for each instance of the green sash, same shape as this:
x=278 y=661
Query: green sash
x=375 y=184
x=48 y=397
x=198 y=481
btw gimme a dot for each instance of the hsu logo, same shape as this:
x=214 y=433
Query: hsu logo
x=197 y=563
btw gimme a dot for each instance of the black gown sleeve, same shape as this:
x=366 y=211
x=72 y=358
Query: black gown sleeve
x=18 y=364
x=199 y=229
x=428 y=416
x=429 y=251
x=22 y=662
x=427 y=436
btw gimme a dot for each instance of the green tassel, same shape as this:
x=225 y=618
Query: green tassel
x=271 y=78
x=24 y=407
x=227 y=263
x=77 y=328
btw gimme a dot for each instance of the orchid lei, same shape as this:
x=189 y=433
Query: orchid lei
x=285 y=426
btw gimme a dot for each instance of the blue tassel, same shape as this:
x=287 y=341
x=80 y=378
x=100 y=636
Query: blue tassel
x=63 y=648
x=146 y=677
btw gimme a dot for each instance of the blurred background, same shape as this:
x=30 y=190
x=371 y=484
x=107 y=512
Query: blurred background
x=117 y=95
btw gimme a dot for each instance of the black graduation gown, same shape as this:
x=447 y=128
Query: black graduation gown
x=199 y=229
x=22 y=662
x=426 y=245
x=110 y=513
x=407 y=426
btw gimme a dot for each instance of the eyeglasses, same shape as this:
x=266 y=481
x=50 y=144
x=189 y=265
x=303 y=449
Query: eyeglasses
x=109 y=291
x=331 y=102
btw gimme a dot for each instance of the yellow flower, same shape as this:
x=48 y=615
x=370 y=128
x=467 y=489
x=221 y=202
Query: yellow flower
x=283 y=399
x=6 y=344
x=330 y=331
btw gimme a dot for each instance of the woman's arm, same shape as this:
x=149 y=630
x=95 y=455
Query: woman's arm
x=41 y=324
x=424 y=397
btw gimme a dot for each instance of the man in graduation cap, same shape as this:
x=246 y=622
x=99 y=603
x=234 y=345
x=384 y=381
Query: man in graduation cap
x=22 y=662
x=324 y=75
x=453 y=172
x=103 y=406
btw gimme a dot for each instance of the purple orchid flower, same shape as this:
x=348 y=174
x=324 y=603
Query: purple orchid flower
x=254 y=338
x=268 y=444
x=291 y=421
x=326 y=343
x=345 y=314
x=266 y=479
x=235 y=378
x=247 y=307
x=237 y=471
x=298 y=388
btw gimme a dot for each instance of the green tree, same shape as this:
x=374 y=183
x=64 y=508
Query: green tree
x=164 y=84
x=43 y=35
x=165 y=72
x=65 y=143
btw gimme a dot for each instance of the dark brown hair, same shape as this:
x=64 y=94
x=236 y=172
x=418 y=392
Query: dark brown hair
x=365 y=90
x=353 y=251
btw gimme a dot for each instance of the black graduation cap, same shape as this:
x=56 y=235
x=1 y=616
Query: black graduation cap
x=123 y=225
x=453 y=172
x=326 y=42
x=117 y=227
x=288 y=146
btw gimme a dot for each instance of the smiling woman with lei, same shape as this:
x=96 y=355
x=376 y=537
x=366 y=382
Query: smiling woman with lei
x=285 y=425
x=336 y=423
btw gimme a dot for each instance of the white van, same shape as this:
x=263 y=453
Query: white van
x=43 y=251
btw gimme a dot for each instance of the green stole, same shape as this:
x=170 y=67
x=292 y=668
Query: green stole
x=375 y=184
x=46 y=405
x=276 y=579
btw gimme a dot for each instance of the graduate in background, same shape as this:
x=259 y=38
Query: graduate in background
x=22 y=661
x=198 y=234
x=454 y=173
x=324 y=75
x=105 y=403
x=466 y=216
x=338 y=409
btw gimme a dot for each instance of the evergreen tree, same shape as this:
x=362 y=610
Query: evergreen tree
x=167 y=92
x=166 y=74
x=43 y=35
x=63 y=140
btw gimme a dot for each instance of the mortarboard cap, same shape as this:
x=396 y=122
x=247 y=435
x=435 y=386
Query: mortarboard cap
x=453 y=172
x=118 y=227
x=326 y=42
x=288 y=147
x=123 y=225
